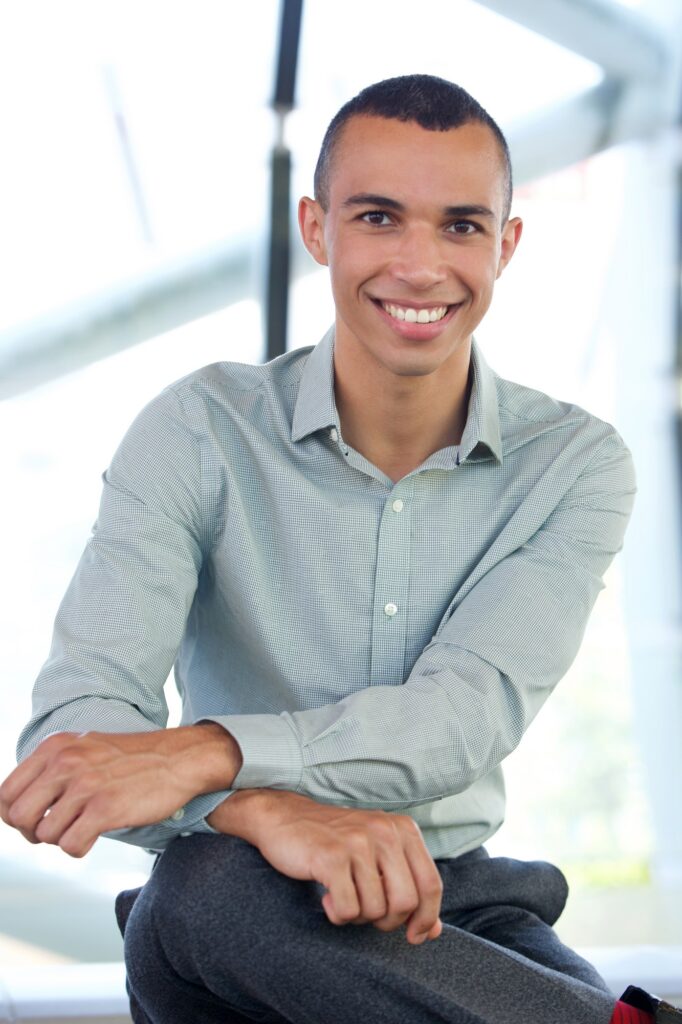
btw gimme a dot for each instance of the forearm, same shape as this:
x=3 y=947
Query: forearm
x=218 y=754
x=77 y=786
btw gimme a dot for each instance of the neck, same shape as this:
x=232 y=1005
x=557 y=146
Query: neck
x=395 y=421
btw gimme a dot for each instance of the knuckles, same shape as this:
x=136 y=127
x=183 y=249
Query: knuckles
x=74 y=849
x=68 y=760
x=408 y=825
x=55 y=743
x=434 y=887
x=346 y=916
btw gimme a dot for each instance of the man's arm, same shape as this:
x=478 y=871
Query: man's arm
x=504 y=644
x=97 y=782
x=375 y=866
x=499 y=651
x=120 y=625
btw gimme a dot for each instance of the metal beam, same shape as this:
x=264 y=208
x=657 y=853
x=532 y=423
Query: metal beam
x=608 y=114
x=612 y=112
x=617 y=39
x=132 y=311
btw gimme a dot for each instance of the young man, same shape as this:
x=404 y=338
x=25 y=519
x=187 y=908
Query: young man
x=370 y=561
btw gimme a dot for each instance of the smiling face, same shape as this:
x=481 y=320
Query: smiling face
x=414 y=239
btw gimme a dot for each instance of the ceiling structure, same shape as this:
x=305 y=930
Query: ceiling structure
x=637 y=98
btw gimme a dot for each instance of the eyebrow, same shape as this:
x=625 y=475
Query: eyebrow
x=371 y=199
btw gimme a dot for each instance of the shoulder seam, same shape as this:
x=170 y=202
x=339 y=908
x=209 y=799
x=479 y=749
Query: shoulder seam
x=185 y=385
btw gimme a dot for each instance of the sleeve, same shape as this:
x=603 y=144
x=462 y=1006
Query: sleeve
x=120 y=624
x=472 y=693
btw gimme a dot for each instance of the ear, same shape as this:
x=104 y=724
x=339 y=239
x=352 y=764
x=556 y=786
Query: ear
x=311 y=224
x=511 y=233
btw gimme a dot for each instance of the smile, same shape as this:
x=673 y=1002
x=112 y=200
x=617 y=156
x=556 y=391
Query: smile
x=415 y=316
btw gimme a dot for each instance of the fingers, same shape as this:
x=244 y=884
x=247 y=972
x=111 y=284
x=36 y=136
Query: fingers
x=79 y=837
x=30 y=795
x=403 y=898
x=371 y=893
x=387 y=878
x=341 y=903
x=413 y=886
x=16 y=783
x=28 y=812
x=425 y=922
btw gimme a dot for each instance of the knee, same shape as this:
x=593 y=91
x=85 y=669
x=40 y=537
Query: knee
x=215 y=900
x=223 y=885
x=206 y=876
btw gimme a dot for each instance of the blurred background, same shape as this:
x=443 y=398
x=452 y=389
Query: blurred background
x=152 y=156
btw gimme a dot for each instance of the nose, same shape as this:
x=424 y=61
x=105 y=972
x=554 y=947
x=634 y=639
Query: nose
x=419 y=261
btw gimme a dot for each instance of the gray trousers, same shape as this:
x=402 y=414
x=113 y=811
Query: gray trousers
x=218 y=935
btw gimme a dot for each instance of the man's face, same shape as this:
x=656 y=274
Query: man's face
x=413 y=232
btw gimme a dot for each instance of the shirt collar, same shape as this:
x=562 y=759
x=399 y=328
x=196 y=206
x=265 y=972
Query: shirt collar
x=481 y=435
x=316 y=408
x=315 y=405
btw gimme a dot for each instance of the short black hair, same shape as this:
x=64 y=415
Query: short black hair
x=432 y=102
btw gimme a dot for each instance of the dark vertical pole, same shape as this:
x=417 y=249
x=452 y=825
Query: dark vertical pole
x=280 y=194
x=678 y=336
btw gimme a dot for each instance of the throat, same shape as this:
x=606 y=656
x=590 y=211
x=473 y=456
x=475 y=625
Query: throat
x=398 y=422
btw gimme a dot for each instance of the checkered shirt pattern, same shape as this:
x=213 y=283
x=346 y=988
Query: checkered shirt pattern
x=368 y=643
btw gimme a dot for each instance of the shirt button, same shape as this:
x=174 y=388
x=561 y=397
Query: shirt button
x=390 y=609
x=398 y=505
x=178 y=815
x=334 y=434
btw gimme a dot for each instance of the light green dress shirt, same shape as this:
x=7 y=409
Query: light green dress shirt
x=368 y=643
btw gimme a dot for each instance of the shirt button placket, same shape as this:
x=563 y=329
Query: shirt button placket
x=389 y=630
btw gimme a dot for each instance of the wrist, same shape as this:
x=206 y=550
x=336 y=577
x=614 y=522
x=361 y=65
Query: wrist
x=241 y=814
x=215 y=758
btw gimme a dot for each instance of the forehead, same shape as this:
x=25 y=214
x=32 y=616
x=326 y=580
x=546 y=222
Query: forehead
x=413 y=164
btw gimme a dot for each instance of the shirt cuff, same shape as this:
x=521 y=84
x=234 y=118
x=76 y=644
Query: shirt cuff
x=185 y=821
x=270 y=749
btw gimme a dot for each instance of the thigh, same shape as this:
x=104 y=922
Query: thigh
x=184 y=935
x=217 y=923
x=513 y=904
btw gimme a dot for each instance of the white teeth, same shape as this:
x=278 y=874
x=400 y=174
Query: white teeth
x=416 y=316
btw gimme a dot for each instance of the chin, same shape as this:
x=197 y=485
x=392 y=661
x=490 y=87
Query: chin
x=416 y=369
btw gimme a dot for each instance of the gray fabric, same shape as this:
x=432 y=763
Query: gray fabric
x=218 y=935
x=378 y=644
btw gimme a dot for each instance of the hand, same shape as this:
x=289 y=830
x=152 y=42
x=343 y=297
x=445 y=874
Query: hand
x=73 y=787
x=375 y=866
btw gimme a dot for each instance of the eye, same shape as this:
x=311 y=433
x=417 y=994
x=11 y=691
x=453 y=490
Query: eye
x=376 y=217
x=463 y=227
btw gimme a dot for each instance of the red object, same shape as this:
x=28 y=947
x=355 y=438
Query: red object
x=625 y=1014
